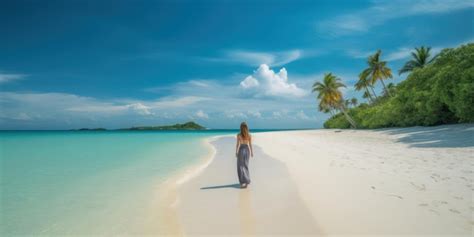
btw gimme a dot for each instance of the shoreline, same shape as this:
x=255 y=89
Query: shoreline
x=168 y=197
x=212 y=203
x=192 y=171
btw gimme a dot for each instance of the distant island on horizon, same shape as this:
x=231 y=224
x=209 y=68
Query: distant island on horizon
x=179 y=126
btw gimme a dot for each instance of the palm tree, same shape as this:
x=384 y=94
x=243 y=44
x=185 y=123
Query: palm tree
x=420 y=58
x=366 y=95
x=377 y=70
x=364 y=83
x=326 y=109
x=347 y=103
x=330 y=96
x=391 y=87
x=354 y=102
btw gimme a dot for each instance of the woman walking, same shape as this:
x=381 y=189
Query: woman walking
x=243 y=151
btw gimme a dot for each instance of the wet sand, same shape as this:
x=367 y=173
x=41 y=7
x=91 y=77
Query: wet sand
x=212 y=203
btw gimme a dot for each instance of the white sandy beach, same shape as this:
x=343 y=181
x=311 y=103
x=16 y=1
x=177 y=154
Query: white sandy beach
x=408 y=181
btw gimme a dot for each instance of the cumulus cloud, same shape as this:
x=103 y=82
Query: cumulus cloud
x=249 y=82
x=264 y=82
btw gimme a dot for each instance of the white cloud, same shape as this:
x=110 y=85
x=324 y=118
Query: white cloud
x=401 y=53
x=65 y=111
x=356 y=53
x=199 y=83
x=302 y=115
x=249 y=82
x=437 y=6
x=265 y=82
x=214 y=97
x=255 y=114
x=277 y=114
x=201 y=114
x=235 y=114
x=255 y=58
x=22 y=116
x=4 y=78
x=382 y=11
x=250 y=57
x=140 y=108
x=19 y=106
x=177 y=102
x=201 y=88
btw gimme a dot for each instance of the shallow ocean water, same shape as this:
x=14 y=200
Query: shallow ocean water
x=73 y=182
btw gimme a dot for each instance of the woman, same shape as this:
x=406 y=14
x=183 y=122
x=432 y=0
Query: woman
x=243 y=150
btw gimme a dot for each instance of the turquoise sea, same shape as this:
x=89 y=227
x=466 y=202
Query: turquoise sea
x=89 y=182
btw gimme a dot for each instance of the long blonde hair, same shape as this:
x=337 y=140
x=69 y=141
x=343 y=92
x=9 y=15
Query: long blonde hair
x=244 y=131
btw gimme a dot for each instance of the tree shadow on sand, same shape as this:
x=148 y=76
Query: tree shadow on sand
x=223 y=186
x=442 y=136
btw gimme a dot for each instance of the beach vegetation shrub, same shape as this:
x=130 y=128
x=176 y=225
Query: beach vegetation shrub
x=440 y=92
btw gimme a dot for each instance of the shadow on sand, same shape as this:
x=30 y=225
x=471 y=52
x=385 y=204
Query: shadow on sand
x=223 y=186
x=461 y=135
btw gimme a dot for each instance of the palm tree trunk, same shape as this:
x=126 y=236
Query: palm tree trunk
x=385 y=88
x=370 y=95
x=372 y=88
x=349 y=119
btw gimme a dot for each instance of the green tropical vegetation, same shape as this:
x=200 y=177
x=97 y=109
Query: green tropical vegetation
x=437 y=90
x=377 y=70
x=90 y=129
x=330 y=96
x=420 y=58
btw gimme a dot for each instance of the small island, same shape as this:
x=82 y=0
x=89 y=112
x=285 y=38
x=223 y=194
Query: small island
x=89 y=129
x=179 y=126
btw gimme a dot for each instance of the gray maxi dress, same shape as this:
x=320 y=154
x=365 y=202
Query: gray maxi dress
x=243 y=164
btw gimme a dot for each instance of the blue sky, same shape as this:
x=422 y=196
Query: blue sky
x=72 y=64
